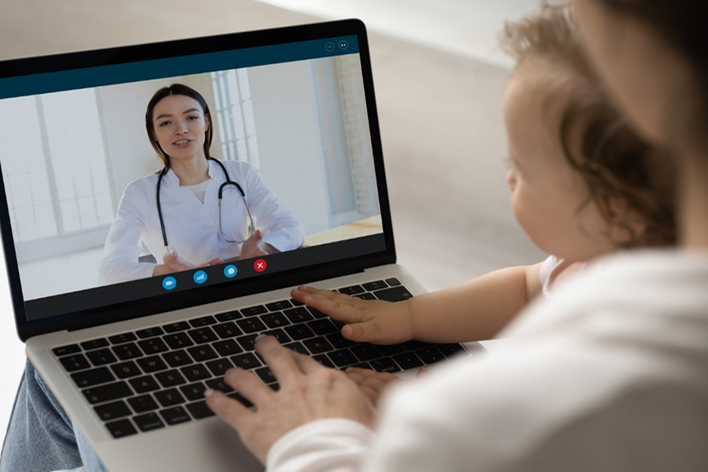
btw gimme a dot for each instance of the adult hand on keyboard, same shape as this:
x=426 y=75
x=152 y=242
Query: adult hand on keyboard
x=372 y=321
x=308 y=392
x=373 y=384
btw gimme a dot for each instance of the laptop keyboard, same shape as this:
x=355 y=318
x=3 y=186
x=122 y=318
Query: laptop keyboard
x=152 y=378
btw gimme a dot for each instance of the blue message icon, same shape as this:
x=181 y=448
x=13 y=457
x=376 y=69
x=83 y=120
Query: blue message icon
x=200 y=276
x=230 y=271
x=168 y=283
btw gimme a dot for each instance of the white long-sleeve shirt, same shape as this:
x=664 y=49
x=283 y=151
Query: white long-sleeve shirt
x=611 y=374
x=192 y=227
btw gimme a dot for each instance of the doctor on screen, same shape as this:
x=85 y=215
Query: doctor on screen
x=197 y=211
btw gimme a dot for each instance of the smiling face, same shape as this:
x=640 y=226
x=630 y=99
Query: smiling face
x=546 y=193
x=180 y=126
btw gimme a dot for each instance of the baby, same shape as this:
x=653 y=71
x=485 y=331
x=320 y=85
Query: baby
x=582 y=185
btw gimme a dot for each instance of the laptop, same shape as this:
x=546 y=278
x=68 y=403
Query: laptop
x=129 y=359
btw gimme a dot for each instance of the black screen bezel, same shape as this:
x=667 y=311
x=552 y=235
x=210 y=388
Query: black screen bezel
x=199 y=296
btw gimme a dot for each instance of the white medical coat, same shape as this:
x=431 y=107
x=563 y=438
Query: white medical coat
x=192 y=227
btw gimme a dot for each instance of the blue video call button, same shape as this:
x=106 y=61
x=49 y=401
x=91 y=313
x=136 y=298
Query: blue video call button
x=230 y=271
x=200 y=276
x=168 y=283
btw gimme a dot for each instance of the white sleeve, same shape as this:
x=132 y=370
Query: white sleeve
x=332 y=445
x=121 y=252
x=279 y=227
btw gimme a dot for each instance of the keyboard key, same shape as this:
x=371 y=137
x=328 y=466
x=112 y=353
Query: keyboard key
x=430 y=351
x=451 y=350
x=414 y=345
x=278 y=306
x=203 y=321
x=178 y=340
x=218 y=384
x=254 y=310
x=169 y=397
x=362 y=365
x=94 y=344
x=375 y=285
x=246 y=342
x=366 y=352
x=342 y=358
x=150 y=332
x=353 y=290
x=75 y=362
x=266 y=375
x=151 y=364
x=395 y=294
x=121 y=428
x=177 y=358
x=408 y=360
x=278 y=334
x=390 y=349
x=316 y=313
x=366 y=296
x=144 y=384
x=227 y=330
x=229 y=315
x=194 y=391
x=148 y=422
x=66 y=350
x=202 y=353
x=195 y=372
x=177 y=326
x=89 y=378
x=171 y=378
x=385 y=365
x=112 y=411
x=126 y=369
x=323 y=326
x=298 y=315
x=122 y=338
x=143 y=403
x=339 y=341
x=393 y=282
x=318 y=345
x=298 y=332
x=153 y=346
x=101 y=357
x=251 y=325
x=200 y=410
x=127 y=351
x=175 y=415
x=324 y=360
x=227 y=348
x=219 y=366
x=297 y=347
x=296 y=303
x=106 y=393
x=275 y=320
x=202 y=335
x=246 y=361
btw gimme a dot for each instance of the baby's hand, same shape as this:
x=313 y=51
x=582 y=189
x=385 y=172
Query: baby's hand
x=371 y=321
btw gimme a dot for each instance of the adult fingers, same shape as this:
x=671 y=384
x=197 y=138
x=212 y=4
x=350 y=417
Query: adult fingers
x=370 y=378
x=281 y=360
x=247 y=384
x=231 y=411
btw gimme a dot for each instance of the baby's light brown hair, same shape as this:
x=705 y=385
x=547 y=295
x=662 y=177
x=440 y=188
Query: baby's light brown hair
x=616 y=164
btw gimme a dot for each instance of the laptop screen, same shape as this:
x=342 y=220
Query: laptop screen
x=109 y=206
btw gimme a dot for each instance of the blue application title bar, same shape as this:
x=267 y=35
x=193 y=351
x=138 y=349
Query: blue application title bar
x=175 y=66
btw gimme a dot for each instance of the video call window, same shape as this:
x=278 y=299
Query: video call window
x=68 y=156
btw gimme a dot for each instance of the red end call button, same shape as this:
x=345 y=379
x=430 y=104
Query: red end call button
x=260 y=265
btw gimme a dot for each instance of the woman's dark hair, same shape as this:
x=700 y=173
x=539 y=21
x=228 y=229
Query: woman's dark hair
x=615 y=163
x=175 y=89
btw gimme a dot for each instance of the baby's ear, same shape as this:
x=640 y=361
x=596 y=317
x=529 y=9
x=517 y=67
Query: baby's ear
x=626 y=225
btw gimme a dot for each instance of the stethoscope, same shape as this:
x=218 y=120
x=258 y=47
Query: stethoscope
x=251 y=227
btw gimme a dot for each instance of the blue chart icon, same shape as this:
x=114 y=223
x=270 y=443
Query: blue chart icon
x=168 y=283
x=230 y=271
x=200 y=276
